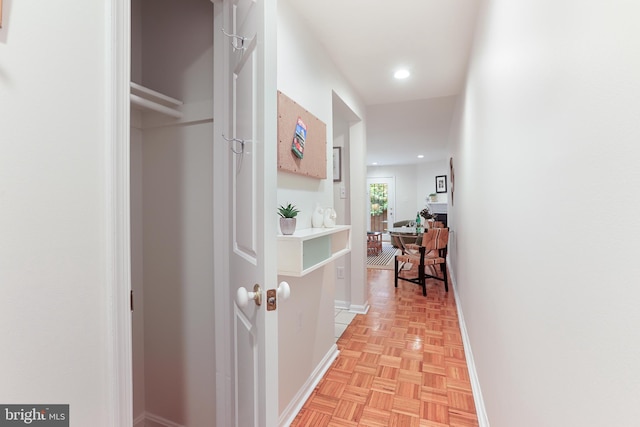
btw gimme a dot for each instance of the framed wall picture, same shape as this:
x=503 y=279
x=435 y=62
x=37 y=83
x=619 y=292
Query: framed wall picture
x=441 y=184
x=452 y=174
x=337 y=164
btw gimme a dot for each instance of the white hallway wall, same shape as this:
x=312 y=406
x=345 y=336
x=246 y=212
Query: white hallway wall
x=53 y=240
x=426 y=178
x=306 y=75
x=546 y=212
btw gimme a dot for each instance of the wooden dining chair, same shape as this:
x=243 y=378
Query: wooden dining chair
x=430 y=253
x=374 y=243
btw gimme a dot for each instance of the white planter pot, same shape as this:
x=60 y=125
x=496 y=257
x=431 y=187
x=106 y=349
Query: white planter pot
x=287 y=225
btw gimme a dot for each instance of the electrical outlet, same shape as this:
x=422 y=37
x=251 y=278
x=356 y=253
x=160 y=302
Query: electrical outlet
x=343 y=192
x=340 y=271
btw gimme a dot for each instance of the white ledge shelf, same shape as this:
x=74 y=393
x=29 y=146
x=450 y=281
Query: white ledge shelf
x=438 y=207
x=146 y=99
x=307 y=250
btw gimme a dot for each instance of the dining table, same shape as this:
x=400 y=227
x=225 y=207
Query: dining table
x=406 y=230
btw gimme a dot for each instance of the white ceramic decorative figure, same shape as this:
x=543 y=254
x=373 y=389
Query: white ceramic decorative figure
x=317 y=219
x=330 y=216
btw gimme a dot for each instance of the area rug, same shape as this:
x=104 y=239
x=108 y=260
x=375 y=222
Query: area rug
x=384 y=259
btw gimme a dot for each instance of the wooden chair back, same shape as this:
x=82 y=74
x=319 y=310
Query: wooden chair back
x=435 y=239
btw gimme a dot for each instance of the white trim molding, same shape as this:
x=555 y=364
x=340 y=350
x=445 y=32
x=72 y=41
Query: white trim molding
x=341 y=305
x=360 y=309
x=353 y=308
x=481 y=411
x=222 y=299
x=117 y=226
x=140 y=420
x=158 y=421
x=147 y=419
x=292 y=409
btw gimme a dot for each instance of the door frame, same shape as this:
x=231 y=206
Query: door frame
x=221 y=273
x=117 y=215
x=391 y=183
x=117 y=225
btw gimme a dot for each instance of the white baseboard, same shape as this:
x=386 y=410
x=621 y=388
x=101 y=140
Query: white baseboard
x=292 y=409
x=341 y=305
x=139 y=421
x=360 y=309
x=353 y=308
x=147 y=419
x=481 y=411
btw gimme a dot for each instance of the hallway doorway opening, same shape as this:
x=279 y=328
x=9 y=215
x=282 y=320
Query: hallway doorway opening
x=381 y=205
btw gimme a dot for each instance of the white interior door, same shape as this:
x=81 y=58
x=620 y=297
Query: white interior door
x=248 y=114
x=381 y=206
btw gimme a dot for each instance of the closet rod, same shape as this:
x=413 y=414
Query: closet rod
x=144 y=103
x=145 y=92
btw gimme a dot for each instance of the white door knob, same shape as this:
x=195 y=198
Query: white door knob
x=243 y=296
x=284 y=291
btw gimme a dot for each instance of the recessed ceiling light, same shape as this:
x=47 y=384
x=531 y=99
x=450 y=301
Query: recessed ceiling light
x=421 y=156
x=402 y=74
x=374 y=163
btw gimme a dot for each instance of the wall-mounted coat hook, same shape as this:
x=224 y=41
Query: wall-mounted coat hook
x=233 y=141
x=237 y=42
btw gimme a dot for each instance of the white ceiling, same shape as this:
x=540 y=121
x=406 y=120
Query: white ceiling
x=369 y=39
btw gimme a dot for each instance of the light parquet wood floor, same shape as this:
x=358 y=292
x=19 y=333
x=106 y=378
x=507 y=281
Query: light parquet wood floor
x=402 y=364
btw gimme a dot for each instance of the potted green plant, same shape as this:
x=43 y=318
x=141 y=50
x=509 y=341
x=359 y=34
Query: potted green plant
x=288 y=218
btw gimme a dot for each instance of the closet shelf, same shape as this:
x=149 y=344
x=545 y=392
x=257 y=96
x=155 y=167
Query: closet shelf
x=147 y=99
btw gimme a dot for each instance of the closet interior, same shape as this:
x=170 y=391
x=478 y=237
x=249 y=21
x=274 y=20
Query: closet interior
x=172 y=212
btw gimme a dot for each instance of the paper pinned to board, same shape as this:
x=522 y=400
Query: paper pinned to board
x=297 y=146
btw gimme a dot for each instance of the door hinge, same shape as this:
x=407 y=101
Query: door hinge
x=131 y=300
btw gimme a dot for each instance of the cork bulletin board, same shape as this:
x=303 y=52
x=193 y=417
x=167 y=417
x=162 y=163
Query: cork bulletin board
x=314 y=160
